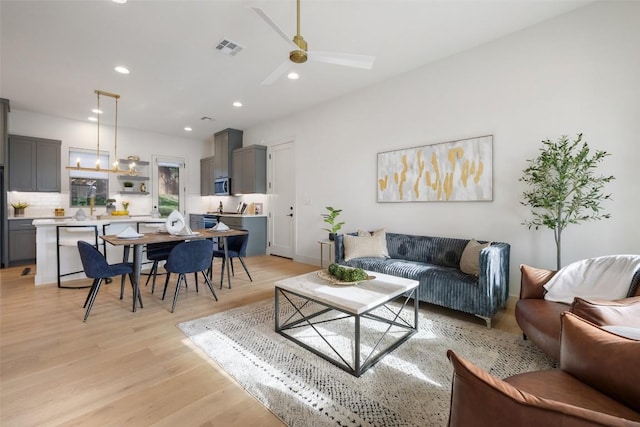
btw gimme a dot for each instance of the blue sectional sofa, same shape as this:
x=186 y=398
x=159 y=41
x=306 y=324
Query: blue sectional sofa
x=434 y=262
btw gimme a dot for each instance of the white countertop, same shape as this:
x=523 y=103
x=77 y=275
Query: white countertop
x=70 y=221
x=231 y=215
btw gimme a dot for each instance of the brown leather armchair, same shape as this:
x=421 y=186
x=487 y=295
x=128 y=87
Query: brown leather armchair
x=597 y=384
x=539 y=319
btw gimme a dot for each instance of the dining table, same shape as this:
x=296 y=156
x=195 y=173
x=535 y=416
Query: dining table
x=138 y=244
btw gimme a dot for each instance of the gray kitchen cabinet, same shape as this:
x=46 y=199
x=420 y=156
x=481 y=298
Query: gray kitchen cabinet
x=206 y=176
x=34 y=164
x=22 y=242
x=250 y=170
x=257 y=227
x=224 y=143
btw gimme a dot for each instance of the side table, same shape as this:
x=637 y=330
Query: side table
x=330 y=244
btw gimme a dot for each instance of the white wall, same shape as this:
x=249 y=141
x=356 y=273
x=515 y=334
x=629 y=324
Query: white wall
x=79 y=134
x=576 y=73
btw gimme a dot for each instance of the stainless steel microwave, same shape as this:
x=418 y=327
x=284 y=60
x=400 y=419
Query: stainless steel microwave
x=222 y=186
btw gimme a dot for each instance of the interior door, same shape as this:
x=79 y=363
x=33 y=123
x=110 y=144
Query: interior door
x=282 y=190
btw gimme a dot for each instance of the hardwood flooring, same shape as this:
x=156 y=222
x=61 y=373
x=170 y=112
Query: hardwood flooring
x=125 y=368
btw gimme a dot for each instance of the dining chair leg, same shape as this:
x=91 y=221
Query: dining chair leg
x=222 y=272
x=175 y=296
x=195 y=277
x=92 y=299
x=233 y=273
x=93 y=286
x=166 y=283
x=152 y=272
x=125 y=258
x=245 y=268
x=208 y=282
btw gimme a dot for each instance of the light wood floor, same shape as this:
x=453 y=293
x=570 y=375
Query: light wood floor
x=124 y=368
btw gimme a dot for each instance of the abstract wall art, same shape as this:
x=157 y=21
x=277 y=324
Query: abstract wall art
x=450 y=171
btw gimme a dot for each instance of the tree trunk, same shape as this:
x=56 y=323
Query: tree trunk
x=558 y=236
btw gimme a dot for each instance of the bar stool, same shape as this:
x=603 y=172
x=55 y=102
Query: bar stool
x=70 y=236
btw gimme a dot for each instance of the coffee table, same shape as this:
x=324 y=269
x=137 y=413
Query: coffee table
x=309 y=308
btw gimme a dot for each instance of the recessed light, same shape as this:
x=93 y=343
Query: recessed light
x=293 y=76
x=119 y=1
x=93 y=119
x=122 y=70
x=96 y=111
x=188 y=129
x=237 y=104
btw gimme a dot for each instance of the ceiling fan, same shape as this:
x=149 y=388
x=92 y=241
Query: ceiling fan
x=300 y=54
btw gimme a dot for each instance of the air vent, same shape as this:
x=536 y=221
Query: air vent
x=206 y=119
x=229 y=47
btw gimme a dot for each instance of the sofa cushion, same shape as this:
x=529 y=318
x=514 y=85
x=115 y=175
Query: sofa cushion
x=559 y=386
x=606 y=277
x=601 y=359
x=622 y=313
x=365 y=246
x=441 y=251
x=470 y=259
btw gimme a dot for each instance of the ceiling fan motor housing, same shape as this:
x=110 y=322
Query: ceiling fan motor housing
x=299 y=56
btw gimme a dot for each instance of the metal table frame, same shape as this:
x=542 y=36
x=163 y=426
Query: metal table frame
x=360 y=364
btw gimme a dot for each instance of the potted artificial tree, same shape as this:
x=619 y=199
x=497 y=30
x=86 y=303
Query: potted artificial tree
x=563 y=187
x=331 y=219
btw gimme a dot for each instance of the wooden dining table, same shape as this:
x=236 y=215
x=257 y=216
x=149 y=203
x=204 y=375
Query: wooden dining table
x=139 y=243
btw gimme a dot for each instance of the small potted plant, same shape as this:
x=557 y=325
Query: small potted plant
x=128 y=186
x=125 y=205
x=19 y=207
x=331 y=219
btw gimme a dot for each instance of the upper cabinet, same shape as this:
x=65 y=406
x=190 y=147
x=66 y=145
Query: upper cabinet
x=206 y=176
x=224 y=143
x=34 y=164
x=249 y=170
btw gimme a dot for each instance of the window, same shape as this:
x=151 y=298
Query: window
x=83 y=185
x=168 y=193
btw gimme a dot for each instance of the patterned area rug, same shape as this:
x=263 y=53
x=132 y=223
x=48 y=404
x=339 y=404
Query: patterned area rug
x=408 y=387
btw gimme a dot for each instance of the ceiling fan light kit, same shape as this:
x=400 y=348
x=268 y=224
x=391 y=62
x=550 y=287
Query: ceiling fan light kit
x=300 y=53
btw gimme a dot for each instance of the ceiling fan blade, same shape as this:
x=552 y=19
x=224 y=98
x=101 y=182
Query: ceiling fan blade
x=347 y=59
x=273 y=25
x=277 y=73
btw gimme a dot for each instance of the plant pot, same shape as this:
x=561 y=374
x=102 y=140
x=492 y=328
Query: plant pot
x=128 y=188
x=18 y=211
x=332 y=236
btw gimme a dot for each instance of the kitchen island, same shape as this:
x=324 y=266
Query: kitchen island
x=46 y=251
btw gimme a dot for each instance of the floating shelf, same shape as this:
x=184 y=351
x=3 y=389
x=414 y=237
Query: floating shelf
x=141 y=193
x=137 y=162
x=133 y=178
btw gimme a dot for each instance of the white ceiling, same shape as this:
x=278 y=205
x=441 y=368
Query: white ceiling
x=54 y=53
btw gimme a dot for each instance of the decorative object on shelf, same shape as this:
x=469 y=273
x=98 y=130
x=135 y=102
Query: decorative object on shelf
x=58 y=212
x=330 y=219
x=133 y=158
x=128 y=186
x=257 y=208
x=110 y=206
x=450 y=171
x=19 y=207
x=98 y=168
x=125 y=205
x=80 y=215
x=563 y=187
x=143 y=187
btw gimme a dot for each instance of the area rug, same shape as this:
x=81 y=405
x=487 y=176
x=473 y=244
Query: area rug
x=408 y=387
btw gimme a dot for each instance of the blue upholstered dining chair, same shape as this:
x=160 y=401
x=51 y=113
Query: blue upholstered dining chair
x=157 y=252
x=189 y=257
x=236 y=248
x=96 y=267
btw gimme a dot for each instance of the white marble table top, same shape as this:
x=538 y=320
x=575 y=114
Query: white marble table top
x=356 y=299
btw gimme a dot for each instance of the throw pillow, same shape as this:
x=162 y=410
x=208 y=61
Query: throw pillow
x=381 y=232
x=606 y=278
x=364 y=246
x=470 y=259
